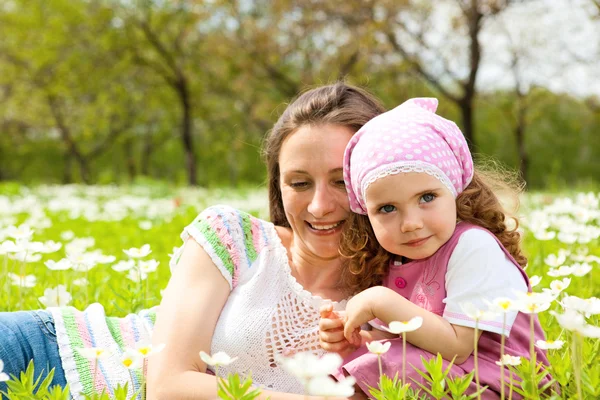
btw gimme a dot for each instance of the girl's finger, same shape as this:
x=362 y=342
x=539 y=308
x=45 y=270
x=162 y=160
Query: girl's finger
x=332 y=336
x=326 y=324
x=349 y=329
x=326 y=309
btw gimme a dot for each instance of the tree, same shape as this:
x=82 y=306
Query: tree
x=441 y=42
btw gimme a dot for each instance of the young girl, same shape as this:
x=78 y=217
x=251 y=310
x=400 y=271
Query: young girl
x=433 y=233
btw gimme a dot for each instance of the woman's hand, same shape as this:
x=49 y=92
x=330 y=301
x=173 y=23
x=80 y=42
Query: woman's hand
x=331 y=332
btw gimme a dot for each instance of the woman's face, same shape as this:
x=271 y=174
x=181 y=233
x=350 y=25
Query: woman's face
x=312 y=187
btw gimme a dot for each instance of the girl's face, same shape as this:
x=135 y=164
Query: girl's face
x=413 y=214
x=312 y=187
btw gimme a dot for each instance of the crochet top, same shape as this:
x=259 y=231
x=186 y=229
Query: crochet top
x=268 y=313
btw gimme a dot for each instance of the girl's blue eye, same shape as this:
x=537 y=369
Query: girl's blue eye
x=428 y=198
x=387 y=209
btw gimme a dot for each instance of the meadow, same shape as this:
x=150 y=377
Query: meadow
x=112 y=245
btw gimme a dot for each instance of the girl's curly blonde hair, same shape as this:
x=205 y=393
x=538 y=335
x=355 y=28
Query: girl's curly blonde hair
x=478 y=204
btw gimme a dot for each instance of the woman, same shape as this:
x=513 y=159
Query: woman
x=241 y=285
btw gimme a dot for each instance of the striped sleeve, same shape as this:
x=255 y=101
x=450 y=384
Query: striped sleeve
x=232 y=238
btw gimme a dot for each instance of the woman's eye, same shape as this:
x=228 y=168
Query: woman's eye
x=299 y=185
x=428 y=198
x=340 y=183
x=387 y=209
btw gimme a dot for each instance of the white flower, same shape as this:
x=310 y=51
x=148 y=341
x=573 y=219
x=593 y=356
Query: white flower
x=147 y=267
x=23 y=232
x=25 y=281
x=588 y=307
x=33 y=247
x=61 y=265
x=558 y=286
x=533 y=302
x=567 y=237
x=93 y=353
x=51 y=246
x=131 y=359
x=124 y=265
x=549 y=344
x=398 y=327
x=100 y=258
x=561 y=271
x=8 y=246
x=3 y=375
x=67 y=235
x=218 y=359
x=475 y=313
x=26 y=257
x=306 y=365
x=507 y=359
x=138 y=253
x=502 y=305
x=136 y=276
x=554 y=260
x=80 y=282
x=81 y=262
x=146 y=349
x=535 y=280
x=56 y=297
x=378 y=347
x=573 y=321
x=325 y=386
x=145 y=225
x=581 y=269
x=544 y=235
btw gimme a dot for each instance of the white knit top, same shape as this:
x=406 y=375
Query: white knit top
x=268 y=313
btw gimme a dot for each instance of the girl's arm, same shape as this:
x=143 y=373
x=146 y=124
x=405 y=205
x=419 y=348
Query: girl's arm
x=436 y=335
x=185 y=323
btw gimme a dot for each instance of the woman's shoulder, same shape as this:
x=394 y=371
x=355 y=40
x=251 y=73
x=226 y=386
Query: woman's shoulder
x=233 y=238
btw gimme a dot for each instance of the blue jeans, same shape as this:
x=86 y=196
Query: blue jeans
x=29 y=335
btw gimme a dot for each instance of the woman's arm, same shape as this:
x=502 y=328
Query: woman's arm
x=185 y=323
x=436 y=335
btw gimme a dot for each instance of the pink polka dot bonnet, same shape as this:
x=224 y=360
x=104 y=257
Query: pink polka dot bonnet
x=409 y=138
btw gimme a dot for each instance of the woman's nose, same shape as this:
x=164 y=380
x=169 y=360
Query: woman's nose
x=322 y=202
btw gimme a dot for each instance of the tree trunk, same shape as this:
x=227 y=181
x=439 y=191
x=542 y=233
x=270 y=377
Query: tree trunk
x=466 y=112
x=186 y=131
x=474 y=18
x=148 y=148
x=129 y=159
x=68 y=171
x=520 y=134
x=84 y=170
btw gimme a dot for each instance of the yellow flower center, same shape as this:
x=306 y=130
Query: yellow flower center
x=127 y=362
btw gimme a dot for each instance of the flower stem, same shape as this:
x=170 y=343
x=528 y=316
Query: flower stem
x=403 y=363
x=380 y=370
x=510 y=389
x=7 y=281
x=502 y=340
x=576 y=362
x=532 y=361
x=475 y=360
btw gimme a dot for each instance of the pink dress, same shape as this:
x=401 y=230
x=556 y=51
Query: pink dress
x=423 y=283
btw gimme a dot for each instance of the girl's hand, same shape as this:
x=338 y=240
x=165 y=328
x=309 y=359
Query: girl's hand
x=331 y=332
x=374 y=335
x=359 y=310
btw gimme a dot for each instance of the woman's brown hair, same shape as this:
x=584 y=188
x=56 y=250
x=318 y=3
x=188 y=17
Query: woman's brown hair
x=478 y=204
x=337 y=104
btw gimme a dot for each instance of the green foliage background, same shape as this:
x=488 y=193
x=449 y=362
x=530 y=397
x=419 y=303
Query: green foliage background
x=121 y=77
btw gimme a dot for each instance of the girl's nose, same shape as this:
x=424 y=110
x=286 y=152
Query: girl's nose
x=411 y=224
